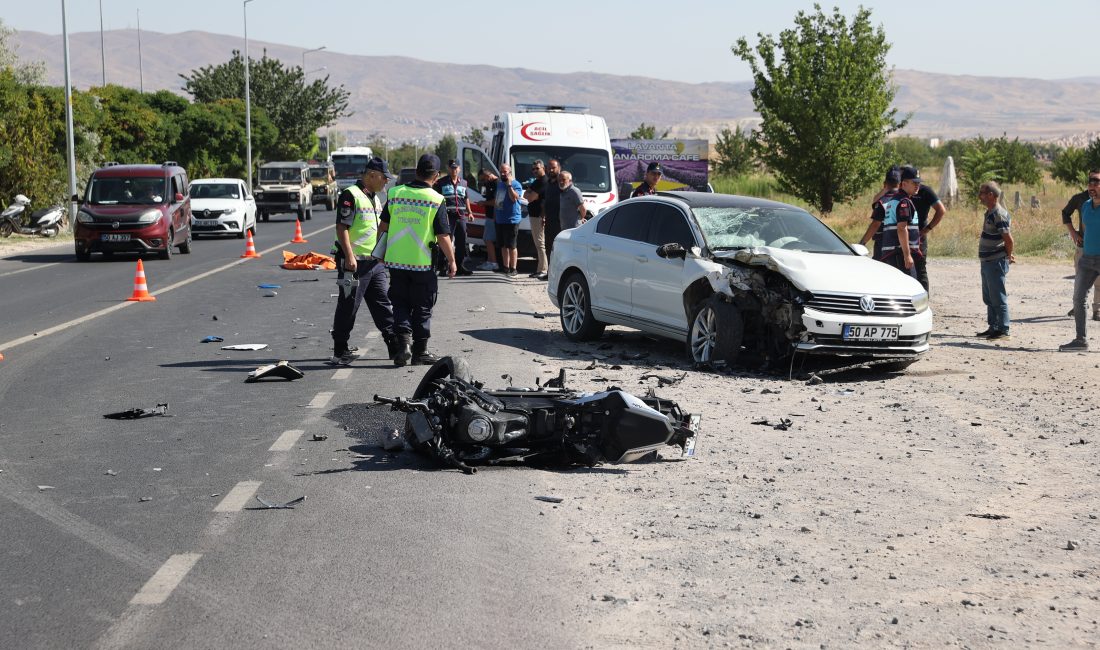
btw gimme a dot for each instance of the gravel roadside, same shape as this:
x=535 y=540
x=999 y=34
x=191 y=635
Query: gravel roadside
x=954 y=504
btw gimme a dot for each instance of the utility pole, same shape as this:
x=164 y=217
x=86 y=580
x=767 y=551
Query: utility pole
x=69 y=120
x=247 y=99
x=102 y=50
x=141 y=75
x=304 y=53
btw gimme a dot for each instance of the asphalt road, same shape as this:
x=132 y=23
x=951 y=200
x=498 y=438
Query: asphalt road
x=144 y=533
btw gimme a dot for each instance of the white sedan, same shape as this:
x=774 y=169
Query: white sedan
x=222 y=206
x=735 y=278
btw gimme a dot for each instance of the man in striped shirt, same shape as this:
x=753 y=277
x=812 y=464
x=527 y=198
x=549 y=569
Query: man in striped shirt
x=995 y=254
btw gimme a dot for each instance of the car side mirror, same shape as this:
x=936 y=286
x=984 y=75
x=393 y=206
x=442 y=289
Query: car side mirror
x=860 y=249
x=179 y=197
x=672 y=250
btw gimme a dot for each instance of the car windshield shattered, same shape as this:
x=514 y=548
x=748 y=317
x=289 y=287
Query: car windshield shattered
x=127 y=191
x=732 y=228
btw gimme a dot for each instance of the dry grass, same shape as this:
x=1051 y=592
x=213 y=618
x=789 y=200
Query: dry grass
x=1037 y=233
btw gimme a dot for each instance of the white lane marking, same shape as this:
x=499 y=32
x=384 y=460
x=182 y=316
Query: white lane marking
x=342 y=373
x=287 y=440
x=103 y=312
x=166 y=579
x=31 y=268
x=235 y=499
x=321 y=401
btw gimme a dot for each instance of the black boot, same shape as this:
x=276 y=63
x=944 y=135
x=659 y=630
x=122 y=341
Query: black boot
x=404 y=354
x=393 y=345
x=420 y=354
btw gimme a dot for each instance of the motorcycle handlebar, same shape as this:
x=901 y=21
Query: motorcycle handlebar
x=402 y=404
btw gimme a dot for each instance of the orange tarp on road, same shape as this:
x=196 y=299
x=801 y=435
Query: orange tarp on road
x=308 y=262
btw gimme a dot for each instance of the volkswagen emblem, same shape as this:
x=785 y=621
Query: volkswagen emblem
x=206 y=213
x=115 y=225
x=867 y=304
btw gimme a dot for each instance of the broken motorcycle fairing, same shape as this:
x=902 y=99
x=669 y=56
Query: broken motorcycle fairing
x=460 y=423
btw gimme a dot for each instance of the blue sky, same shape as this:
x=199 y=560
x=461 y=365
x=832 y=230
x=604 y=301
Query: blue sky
x=685 y=40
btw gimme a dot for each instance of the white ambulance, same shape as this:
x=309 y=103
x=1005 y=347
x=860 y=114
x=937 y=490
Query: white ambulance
x=580 y=141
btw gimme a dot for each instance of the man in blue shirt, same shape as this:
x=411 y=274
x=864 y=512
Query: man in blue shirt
x=508 y=215
x=1088 y=265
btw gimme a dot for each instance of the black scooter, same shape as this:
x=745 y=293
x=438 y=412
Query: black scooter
x=460 y=423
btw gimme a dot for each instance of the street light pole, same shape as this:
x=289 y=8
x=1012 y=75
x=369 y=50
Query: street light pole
x=69 y=120
x=247 y=99
x=316 y=49
x=102 y=51
x=141 y=74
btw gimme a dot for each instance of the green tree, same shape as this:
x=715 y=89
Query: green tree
x=1018 y=164
x=1092 y=155
x=824 y=93
x=24 y=73
x=212 y=138
x=296 y=108
x=475 y=136
x=446 y=149
x=647 y=132
x=30 y=163
x=1070 y=167
x=132 y=131
x=911 y=151
x=735 y=152
x=980 y=163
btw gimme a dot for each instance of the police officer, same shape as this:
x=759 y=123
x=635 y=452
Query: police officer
x=653 y=175
x=357 y=216
x=414 y=218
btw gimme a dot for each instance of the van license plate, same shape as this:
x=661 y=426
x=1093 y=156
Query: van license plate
x=111 y=236
x=871 y=332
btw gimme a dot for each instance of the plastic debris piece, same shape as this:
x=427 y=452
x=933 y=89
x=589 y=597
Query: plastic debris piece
x=214 y=317
x=212 y=339
x=156 y=469
x=478 y=308
x=986 y=515
x=550 y=499
x=662 y=380
x=144 y=499
x=136 y=413
x=270 y=294
x=319 y=437
x=269 y=286
x=245 y=346
x=289 y=505
x=306 y=280
x=111 y=472
x=280 y=369
x=392 y=440
x=43 y=488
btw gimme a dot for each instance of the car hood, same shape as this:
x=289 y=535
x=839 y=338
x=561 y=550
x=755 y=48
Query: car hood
x=198 y=205
x=823 y=273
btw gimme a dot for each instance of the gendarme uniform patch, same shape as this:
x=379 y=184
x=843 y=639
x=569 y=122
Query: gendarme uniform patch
x=346 y=209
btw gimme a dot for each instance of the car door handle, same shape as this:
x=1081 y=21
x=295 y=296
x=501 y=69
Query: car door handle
x=596 y=248
x=641 y=258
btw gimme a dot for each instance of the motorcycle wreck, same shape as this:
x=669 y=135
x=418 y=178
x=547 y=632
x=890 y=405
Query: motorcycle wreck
x=460 y=423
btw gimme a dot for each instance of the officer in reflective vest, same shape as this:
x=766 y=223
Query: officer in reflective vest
x=358 y=210
x=414 y=218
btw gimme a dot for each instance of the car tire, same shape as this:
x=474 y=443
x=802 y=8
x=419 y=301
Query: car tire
x=577 y=321
x=166 y=254
x=263 y=216
x=83 y=256
x=309 y=213
x=301 y=214
x=715 y=331
x=6 y=229
x=253 y=228
x=185 y=247
x=331 y=204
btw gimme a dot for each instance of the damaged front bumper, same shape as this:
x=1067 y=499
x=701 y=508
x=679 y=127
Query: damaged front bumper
x=825 y=334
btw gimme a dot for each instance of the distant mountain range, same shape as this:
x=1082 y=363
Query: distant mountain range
x=409 y=99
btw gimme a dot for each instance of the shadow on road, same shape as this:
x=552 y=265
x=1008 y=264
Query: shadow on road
x=41 y=258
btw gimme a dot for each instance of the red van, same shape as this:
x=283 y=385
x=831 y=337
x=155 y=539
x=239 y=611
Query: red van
x=134 y=209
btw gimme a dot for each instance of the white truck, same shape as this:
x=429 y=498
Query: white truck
x=579 y=140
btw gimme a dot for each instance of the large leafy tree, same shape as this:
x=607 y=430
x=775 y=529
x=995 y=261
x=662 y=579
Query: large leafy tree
x=212 y=138
x=735 y=152
x=824 y=92
x=1070 y=166
x=296 y=108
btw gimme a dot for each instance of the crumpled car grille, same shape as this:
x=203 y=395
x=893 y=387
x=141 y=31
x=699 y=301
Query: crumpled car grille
x=835 y=303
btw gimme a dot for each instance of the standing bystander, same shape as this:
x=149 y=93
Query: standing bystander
x=1088 y=265
x=571 y=211
x=550 y=203
x=509 y=213
x=535 y=195
x=924 y=200
x=1078 y=236
x=357 y=214
x=995 y=254
x=488 y=181
x=414 y=218
x=453 y=189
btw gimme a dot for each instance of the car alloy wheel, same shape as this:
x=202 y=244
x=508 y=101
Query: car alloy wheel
x=716 y=331
x=577 y=320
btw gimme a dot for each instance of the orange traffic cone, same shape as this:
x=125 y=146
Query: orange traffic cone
x=298 y=239
x=141 y=290
x=250 y=247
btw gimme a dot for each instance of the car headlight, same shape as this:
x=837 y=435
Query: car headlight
x=149 y=217
x=229 y=211
x=920 y=302
x=84 y=217
x=259 y=194
x=293 y=195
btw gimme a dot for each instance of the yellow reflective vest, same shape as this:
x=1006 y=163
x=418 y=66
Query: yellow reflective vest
x=412 y=215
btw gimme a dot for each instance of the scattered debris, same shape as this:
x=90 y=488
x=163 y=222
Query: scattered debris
x=214 y=317
x=306 y=280
x=550 y=499
x=212 y=339
x=844 y=392
x=111 y=472
x=782 y=425
x=289 y=505
x=319 y=437
x=662 y=380
x=269 y=286
x=814 y=380
x=633 y=356
x=280 y=369
x=1072 y=545
x=136 y=413
x=43 y=488
x=478 y=308
x=144 y=499
x=392 y=440
x=308 y=262
x=986 y=515
x=1080 y=441
x=270 y=294
x=246 y=346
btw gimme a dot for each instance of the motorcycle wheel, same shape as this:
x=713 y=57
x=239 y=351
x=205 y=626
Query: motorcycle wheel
x=456 y=367
x=6 y=229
